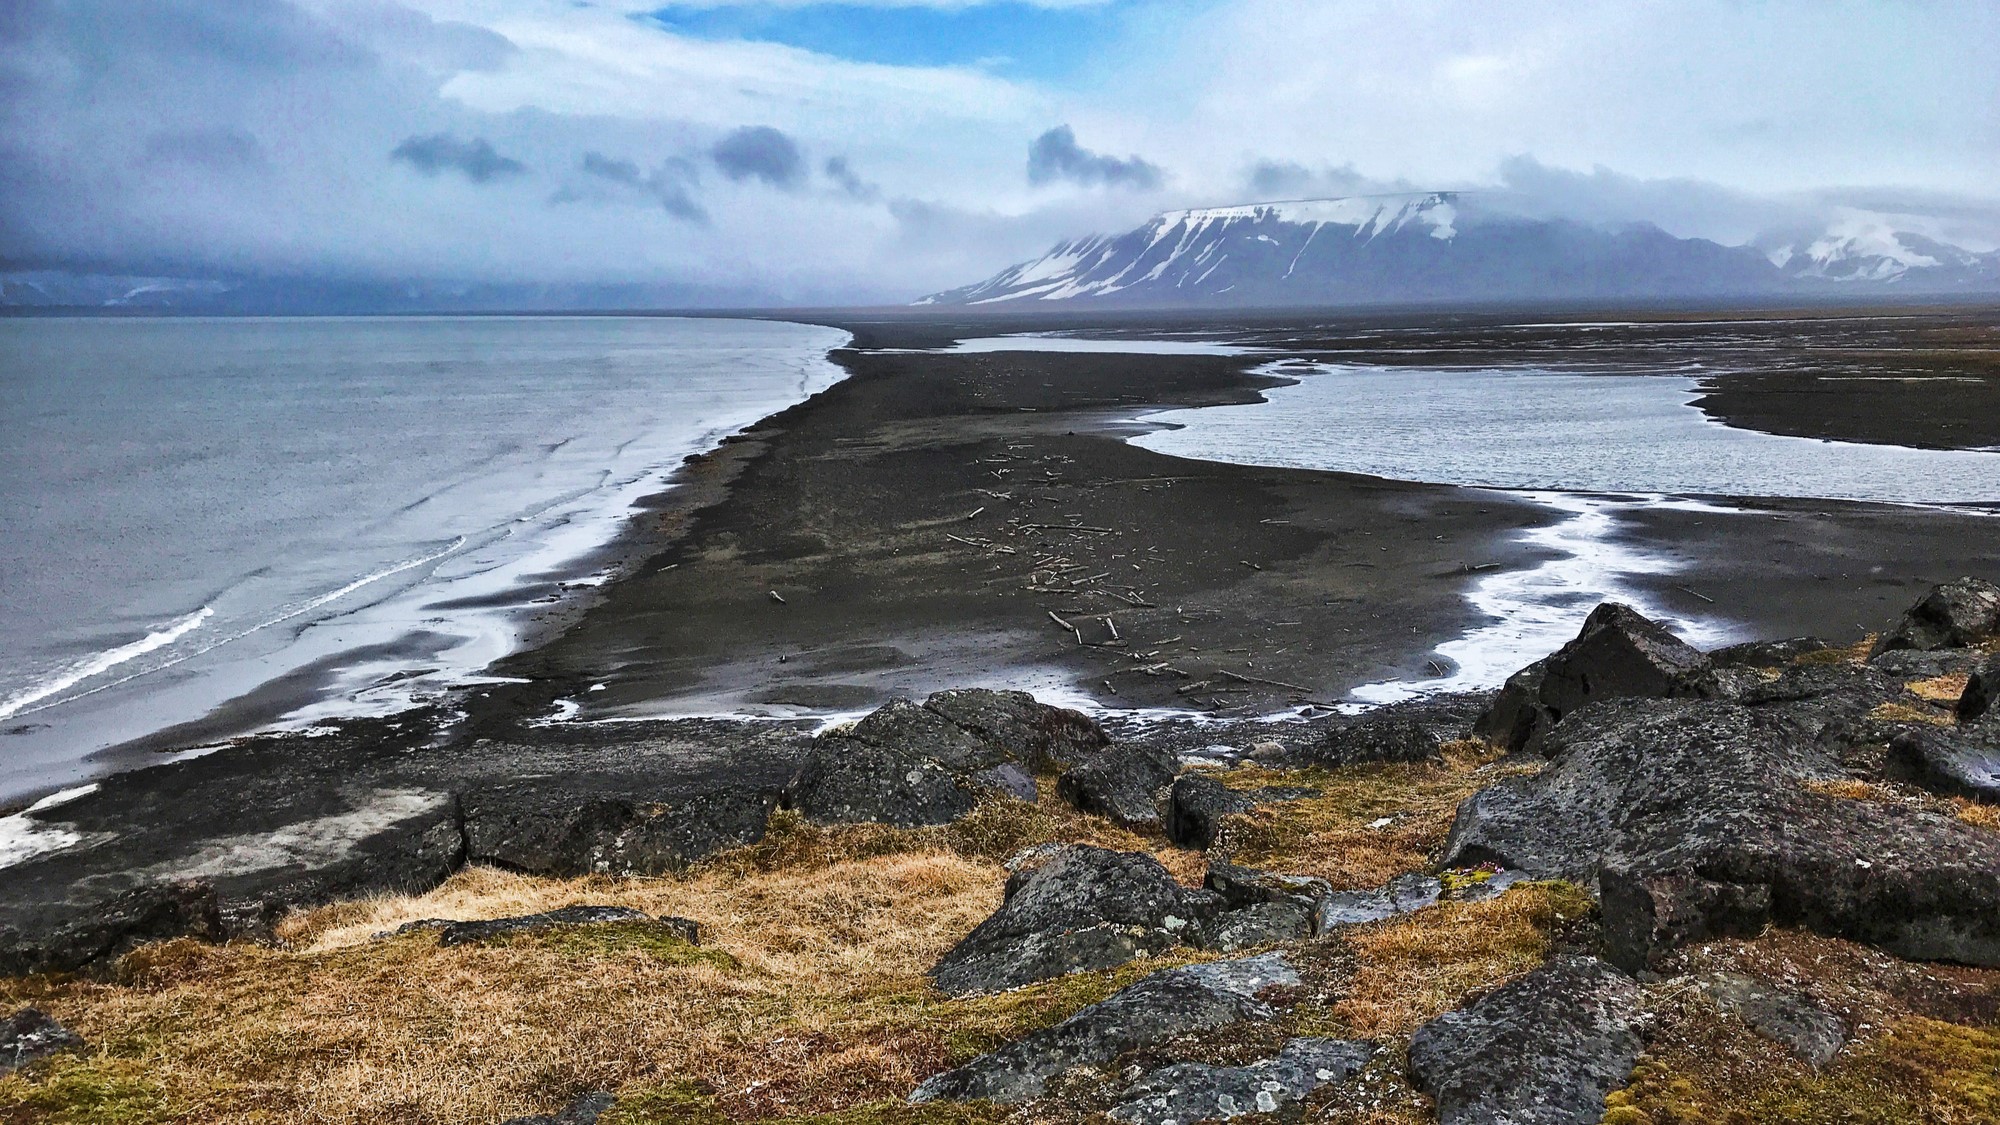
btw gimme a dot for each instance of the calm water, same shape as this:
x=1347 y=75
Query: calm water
x=193 y=508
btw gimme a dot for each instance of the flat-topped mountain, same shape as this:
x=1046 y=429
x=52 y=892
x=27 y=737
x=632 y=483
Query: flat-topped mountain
x=1432 y=246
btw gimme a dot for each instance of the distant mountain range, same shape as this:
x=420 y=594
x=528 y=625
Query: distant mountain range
x=1380 y=249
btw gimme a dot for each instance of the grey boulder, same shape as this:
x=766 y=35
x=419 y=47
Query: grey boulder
x=1619 y=653
x=1956 y=763
x=1121 y=783
x=1400 y=895
x=30 y=1034
x=1197 y=805
x=1168 y=1003
x=1385 y=739
x=1185 y=1093
x=1259 y=924
x=1043 y=738
x=1544 y=1049
x=549 y=828
x=1812 y=1034
x=1980 y=691
x=1952 y=615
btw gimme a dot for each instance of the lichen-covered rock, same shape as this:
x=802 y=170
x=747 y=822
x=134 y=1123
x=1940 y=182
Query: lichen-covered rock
x=1197 y=804
x=1260 y=923
x=1121 y=783
x=1043 y=738
x=1185 y=1093
x=1811 y=1033
x=1694 y=819
x=1766 y=654
x=1517 y=719
x=1952 y=615
x=545 y=828
x=1618 y=654
x=1385 y=739
x=1168 y=1003
x=1955 y=763
x=1400 y=895
x=1541 y=1050
x=1981 y=691
x=585 y=1109
x=1246 y=886
x=919 y=733
x=31 y=1034
x=1087 y=908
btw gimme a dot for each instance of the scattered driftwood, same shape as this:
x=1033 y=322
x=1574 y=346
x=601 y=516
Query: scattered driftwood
x=1238 y=676
x=1068 y=527
x=1696 y=593
x=777 y=597
x=975 y=511
x=1074 y=631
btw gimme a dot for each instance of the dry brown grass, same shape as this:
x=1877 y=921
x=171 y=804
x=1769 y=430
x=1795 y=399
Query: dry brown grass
x=820 y=1003
x=1414 y=968
x=1908 y=796
x=1939 y=689
x=1905 y=713
x=1972 y=812
x=1335 y=836
x=1856 y=653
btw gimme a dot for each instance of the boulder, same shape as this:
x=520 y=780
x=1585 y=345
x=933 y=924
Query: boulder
x=1087 y=908
x=918 y=733
x=1618 y=654
x=1766 y=654
x=1811 y=1033
x=155 y=912
x=1008 y=779
x=30 y=1034
x=1191 y=1092
x=545 y=828
x=1952 y=615
x=1980 y=691
x=1197 y=804
x=1169 y=1003
x=1044 y=738
x=1247 y=886
x=1260 y=923
x=1544 y=1049
x=585 y=1109
x=1400 y=895
x=1385 y=739
x=1693 y=819
x=1517 y=719
x=1955 y=763
x=1121 y=783
x=847 y=781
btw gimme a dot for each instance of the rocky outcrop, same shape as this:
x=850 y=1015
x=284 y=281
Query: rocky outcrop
x=1695 y=820
x=1618 y=654
x=1811 y=1033
x=1191 y=1092
x=548 y=827
x=1197 y=804
x=585 y=1109
x=1088 y=908
x=909 y=765
x=1542 y=1050
x=1122 y=783
x=1167 y=1004
x=155 y=912
x=1387 y=739
x=1950 y=616
x=1954 y=763
x=29 y=1035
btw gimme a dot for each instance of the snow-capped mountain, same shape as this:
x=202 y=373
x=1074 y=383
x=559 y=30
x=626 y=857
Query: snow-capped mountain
x=1440 y=246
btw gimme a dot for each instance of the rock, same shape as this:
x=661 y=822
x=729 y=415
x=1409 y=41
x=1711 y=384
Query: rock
x=1197 y=804
x=30 y=1034
x=1621 y=654
x=169 y=909
x=920 y=734
x=546 y=828
x=1952 y=615
x=1812 y=1034
x=462 y=933
x=1169 y=1003
x=584 y=1110
x=1044 y=738
x=1189 y=1092
x=1980 y=691
x=1007 y=780
x=1517 y=719
x=1920 y=664
x=1088 y=908
x=1542 y=1050
x=1955 y=763
x=1480 y=886
x=846 y=781
x=1260 y=923
x=1386 y=739
x=1400 y=895
x=1693 y=820
x=1121 y=783
x=1247 y=886
x=1766 y=654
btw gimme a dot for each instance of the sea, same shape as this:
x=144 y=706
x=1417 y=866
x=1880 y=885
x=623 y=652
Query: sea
x=326 y=515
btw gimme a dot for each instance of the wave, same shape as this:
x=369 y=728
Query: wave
x=103 y=662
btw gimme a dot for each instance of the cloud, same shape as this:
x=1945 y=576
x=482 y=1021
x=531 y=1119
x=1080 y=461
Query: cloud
x=475 y=159
x=670 y=185
x=1055 y=155
x=759 y=152
x=1287 y=179
x=844 y=177
x=217 y=149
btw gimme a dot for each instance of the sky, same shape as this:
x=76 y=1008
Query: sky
x=802 y=152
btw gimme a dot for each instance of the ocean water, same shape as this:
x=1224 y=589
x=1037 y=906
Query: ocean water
x=363 y=509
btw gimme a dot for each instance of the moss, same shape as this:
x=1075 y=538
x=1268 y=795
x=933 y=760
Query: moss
x=679 y=1102
x=686 y=1103
x=900 y=1113
x=96 y=1090
x=1921 y=1072
x=620 y=938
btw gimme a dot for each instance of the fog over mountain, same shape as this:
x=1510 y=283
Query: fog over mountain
x=352 y=155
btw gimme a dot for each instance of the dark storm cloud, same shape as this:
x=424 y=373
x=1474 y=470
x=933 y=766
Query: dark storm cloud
x=1276 y=179
x=1055 y=155
x=670 y=185
x=760 y=152
x=215 y=149
x=475 y=159
x=848 y=181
